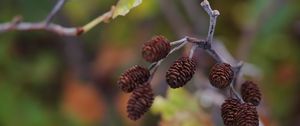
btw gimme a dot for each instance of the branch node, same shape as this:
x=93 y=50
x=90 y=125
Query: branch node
x=204 y=3
x=79 y=31
x=206 y=45
x=215 y=13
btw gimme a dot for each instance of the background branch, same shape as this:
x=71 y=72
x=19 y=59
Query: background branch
x=57 y=7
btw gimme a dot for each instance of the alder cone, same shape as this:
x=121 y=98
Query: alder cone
x=247 y=115
x=251 y=93
x=180 y=72
x=155 y=49
x=132 y=78
x=229 y=111
x=140 y=101
x=221 y=75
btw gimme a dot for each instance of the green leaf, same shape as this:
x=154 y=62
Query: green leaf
x=124 y=6
x=177 y=101
x=180 y=107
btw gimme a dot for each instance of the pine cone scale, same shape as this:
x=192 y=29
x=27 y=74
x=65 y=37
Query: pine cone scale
x=140 y=101
x=229 y=110
x=180 y=72
x=247 y=116
x=132 y=78
x=221 y=75
x=155 y=49
x=251 y=93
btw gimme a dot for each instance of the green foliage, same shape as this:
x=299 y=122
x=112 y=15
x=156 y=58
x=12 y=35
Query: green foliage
x=179 y=105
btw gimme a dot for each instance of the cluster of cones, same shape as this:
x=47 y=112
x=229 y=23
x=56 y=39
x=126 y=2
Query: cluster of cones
x=235 y=113
x=135 y=80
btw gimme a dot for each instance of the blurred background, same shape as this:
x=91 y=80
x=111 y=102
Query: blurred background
x=52 y=80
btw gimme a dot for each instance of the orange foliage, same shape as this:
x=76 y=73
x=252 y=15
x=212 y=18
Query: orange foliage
x=82 y=101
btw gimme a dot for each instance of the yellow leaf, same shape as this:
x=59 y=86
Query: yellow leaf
x=124 y=6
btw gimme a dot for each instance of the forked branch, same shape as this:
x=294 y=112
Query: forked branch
x=46 y=25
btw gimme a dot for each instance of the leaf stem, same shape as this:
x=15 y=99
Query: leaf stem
x=104 y=17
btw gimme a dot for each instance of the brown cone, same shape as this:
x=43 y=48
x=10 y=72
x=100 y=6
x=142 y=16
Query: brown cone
x=229 y=111
x=155 y=49
x=132 y=78
x=221 y=75
x=251 y=93
x=247 y=115
x=180 y=72
x=140 y=101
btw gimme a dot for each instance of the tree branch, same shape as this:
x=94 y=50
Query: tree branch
x=213 y=14
x=55 y=28
x=27 y=26
x=207 y=46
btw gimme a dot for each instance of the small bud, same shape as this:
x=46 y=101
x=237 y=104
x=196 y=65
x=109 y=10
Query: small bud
x=229 y=110
x=221 y=75
x=155 y=49
x=133 y=77
x=180 y=72
x=140 y=101
x=247 y=115
x=251 y=93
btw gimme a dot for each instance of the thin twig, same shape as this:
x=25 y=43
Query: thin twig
x=192 y=51
x=195 y=40
x=214 y=54
x=156 y=64
x=235 y=93
x=152 y=74
x=59 y=4
x=178 y=41
x=237 y=70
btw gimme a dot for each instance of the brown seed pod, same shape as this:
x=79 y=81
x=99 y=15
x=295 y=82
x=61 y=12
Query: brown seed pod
x=180 y=72
x=155 y=49
x=247 y=115
x=140 y=101
x=251 y=93
x=133 y=77
x=229 y=111
x=221 y=75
